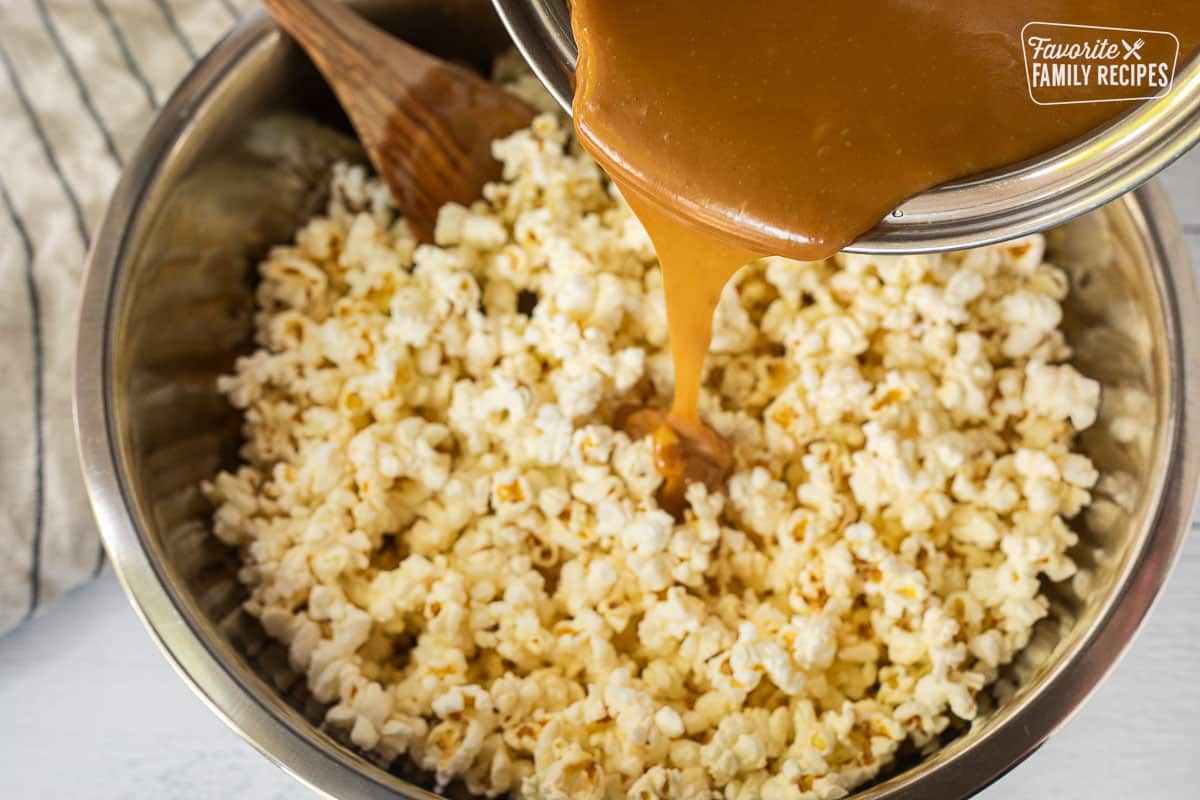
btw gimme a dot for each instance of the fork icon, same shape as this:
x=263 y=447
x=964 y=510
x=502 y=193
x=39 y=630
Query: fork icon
x=1131 y=50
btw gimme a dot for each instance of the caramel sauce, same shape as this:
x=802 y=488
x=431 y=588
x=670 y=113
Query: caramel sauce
x=736 y=130
x=684 y=453
x=695 y=267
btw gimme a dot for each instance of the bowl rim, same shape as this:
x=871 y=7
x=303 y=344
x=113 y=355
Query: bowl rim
x=1003 y=204
x=258 y=713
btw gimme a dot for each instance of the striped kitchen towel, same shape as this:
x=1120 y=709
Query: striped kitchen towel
x=80 y=81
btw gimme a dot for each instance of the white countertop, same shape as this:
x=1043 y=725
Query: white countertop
x=90 y=709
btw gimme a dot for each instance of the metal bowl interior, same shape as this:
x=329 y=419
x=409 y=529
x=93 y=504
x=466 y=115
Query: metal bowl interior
x=1033 y=196
x=236 y=162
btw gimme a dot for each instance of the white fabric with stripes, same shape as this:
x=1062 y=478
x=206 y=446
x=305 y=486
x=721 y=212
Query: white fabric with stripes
x=80 y=81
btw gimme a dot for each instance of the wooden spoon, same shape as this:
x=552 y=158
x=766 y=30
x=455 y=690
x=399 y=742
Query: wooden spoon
x=427 y=126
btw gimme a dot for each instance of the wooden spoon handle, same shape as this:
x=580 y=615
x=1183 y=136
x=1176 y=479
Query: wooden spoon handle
x=338 y=40
x=427 y=125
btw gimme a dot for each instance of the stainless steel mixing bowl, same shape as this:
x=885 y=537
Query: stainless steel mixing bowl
x=235 y=162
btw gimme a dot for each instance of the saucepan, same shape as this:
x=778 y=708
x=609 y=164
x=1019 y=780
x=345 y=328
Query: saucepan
x=235 y=162
x=1003 y=204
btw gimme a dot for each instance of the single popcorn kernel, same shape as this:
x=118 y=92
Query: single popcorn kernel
x=451 y=520
x=510 y=493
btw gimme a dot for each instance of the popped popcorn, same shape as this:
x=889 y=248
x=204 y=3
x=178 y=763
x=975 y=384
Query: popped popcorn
x=438 y=519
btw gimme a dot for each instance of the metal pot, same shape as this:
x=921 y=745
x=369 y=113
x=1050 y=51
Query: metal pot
x=235 y=162
x=1015 y=201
